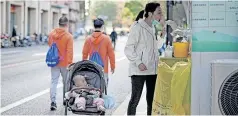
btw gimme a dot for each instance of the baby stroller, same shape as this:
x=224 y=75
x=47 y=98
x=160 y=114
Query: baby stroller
x=94 y=76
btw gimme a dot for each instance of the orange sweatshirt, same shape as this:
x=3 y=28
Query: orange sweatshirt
x=64 y=42
x=106 y=50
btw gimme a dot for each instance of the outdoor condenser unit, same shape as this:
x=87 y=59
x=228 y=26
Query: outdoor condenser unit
x=224 y=87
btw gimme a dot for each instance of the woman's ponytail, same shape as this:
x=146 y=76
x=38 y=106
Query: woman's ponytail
x=146 y=14
x=140 y=15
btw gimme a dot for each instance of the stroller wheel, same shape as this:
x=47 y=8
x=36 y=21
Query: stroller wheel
x=102 y=113
x=66 y=109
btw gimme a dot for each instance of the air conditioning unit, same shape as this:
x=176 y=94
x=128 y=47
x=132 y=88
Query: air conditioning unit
x=224 y=87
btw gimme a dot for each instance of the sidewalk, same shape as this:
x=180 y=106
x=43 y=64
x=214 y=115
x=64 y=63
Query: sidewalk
x=141 y=108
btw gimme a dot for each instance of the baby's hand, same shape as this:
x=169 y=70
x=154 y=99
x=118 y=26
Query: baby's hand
x=70 y=94
x=67 y=95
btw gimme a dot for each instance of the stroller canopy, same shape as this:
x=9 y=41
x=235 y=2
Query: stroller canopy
x=93 y=73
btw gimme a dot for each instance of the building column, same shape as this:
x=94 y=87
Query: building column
x=4 y=17
x=22 y=19
x=50 y=18
x=26 y=17
x=1 y=14
x=37 y=18
x=49 y=21
x=9 y=17
x=39 y=22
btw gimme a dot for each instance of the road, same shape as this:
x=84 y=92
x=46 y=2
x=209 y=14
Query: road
x=26 y=80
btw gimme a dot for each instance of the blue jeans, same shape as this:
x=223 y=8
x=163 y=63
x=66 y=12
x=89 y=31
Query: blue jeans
x=55 y=73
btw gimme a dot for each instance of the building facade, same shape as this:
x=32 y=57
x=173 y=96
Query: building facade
x=76 y=15
x=37 y=16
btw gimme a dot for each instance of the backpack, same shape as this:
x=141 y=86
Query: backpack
x=52 y=57
x=95 y=56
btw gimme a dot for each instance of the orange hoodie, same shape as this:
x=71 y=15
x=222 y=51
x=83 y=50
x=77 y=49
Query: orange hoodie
x=106 y=51
x=64 y=42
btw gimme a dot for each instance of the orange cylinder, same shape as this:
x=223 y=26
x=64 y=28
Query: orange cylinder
x=181 y=49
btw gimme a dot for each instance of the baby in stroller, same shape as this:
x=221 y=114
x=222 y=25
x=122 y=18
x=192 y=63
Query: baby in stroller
x=84 y=95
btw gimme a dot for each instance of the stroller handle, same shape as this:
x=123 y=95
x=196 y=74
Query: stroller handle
x=96 y=89
x=70 y=66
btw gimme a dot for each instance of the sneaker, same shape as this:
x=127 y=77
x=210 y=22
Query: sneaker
x=53 y=106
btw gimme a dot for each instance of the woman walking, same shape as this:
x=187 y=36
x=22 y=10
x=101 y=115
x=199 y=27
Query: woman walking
x=142 y=52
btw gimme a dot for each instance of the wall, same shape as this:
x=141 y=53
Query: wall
x=2 y=17
x=45 y=5
x=44 y=11
x=32 y=4
x=32 y=21
x=44 y=22
x=20 y=22
x=74 y=5
x=213 y=38
x=34 y=26
x=55 y=20
x=23 y=14
x=65 y=11
x=55 y=15
x=17 y=21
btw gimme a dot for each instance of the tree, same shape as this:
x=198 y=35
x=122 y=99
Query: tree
x=135 y=7
x=127 y=16
x=105 y=8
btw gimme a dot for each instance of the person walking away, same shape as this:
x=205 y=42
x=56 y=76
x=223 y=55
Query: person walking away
x=14 y=34
x=114 y=37
x=101 y=44
x=64 y=43
x=142 y=51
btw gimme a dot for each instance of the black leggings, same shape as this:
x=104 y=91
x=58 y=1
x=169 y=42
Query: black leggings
x=137 y=88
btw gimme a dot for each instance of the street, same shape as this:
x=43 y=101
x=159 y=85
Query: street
x=26 y=80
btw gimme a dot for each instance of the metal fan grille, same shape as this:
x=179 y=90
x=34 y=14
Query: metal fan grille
x=228 y=95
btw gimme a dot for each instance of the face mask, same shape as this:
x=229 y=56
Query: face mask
x=155 y=22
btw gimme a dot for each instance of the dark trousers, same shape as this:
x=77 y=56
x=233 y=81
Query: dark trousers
x=14 y=43
x=114 y=44
x=137 y=82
